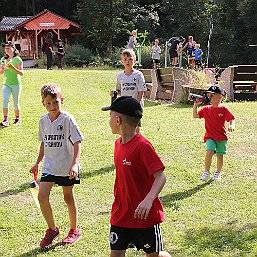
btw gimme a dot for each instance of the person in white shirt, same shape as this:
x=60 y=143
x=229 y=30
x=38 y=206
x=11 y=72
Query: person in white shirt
x=130 y=82
x=156 y=54
x=60 y=148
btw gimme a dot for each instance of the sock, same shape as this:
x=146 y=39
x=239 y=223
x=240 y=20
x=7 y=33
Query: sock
x=5 y=118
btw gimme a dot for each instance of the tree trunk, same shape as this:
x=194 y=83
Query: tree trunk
x=109 y=42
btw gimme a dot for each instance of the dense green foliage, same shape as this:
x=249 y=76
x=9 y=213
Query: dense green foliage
x=106 y=25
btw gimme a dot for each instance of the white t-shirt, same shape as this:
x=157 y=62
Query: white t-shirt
x=58 y=137
x=156 y=50
x=131 y=85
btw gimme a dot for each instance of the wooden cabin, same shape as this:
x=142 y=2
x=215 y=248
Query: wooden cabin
x=34 y=29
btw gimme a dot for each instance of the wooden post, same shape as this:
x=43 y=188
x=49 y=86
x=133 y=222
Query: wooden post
x=154 y=85
x=36 y=42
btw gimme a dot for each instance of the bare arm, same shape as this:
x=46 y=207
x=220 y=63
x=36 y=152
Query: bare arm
x=18 y=70
x=40 y=157
x=195 y=113
x=140 y=96
x=144 y=207
x=232 y=125
x=74 y=169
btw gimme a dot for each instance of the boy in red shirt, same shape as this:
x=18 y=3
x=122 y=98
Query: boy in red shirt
x=136 y=210
x=215 y=115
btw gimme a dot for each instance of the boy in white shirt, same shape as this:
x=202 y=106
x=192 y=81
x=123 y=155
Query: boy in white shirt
x=60 y=147
x=130 y=82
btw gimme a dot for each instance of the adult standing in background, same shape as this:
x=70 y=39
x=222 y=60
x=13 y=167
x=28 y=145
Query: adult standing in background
x=12 y=68
x=190 y=47
x=49 y=50
x=173 y=43
x=17 y=41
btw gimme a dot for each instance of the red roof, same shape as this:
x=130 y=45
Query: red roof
x=43 y=20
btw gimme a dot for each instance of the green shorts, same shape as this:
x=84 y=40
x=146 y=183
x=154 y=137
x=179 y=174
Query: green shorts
x=219 y=147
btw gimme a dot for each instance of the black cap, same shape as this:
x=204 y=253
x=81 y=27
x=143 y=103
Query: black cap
x=126 y=105
x=215 y=89
x=8 y=43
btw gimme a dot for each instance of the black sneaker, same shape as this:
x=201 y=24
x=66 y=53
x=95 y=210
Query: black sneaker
x=4 y=123
x=17 y=122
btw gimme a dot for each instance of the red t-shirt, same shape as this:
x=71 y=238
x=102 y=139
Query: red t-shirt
x=215 y=118
x=135 y=162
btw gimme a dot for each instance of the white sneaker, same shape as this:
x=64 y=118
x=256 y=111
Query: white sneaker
x=216 y=176
x=205 y=176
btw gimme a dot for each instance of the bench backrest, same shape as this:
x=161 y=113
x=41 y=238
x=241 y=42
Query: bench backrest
x=147 y=75
x=165 y=75
x=245 y=73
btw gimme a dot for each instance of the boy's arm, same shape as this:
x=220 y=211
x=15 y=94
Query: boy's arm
x=40 y=157
x=140 y=96
x=195 y=113
x=144 y=207
x=74 y=169
x=232 y=125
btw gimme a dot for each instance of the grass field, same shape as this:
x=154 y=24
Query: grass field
x=202 y=219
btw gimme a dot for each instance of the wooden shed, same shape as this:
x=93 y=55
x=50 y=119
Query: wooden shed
x=34 y=29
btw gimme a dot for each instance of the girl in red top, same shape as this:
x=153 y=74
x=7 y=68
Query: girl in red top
x=215 y=115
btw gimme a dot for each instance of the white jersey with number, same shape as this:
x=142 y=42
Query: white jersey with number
x=131 y=85
x=58 y=137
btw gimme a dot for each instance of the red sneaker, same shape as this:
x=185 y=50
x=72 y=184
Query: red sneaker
x=73 y=237
x=49 y=237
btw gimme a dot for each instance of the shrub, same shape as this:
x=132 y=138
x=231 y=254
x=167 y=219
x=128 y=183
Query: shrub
x=77 y=55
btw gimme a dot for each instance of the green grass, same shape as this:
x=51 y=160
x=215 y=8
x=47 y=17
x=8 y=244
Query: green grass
x=202 y=219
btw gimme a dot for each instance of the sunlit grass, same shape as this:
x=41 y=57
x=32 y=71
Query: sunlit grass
x=202 y=219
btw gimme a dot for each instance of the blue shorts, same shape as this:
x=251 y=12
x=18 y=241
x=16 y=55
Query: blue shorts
x=219 y=147
x=148 y=239
x=59 y=180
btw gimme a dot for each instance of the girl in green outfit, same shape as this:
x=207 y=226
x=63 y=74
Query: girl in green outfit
x=12 y=68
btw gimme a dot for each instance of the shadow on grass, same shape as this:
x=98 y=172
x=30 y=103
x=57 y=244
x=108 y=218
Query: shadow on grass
x=15 y=191
x=86 y=174
x=38 y=251
x=227 y=238
x=170 y=199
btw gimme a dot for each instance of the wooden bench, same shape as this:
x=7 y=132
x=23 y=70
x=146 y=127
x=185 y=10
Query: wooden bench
x=165 y=78
x=151 y=83
x=165 y=83
x=240 y=82
x=245 y=82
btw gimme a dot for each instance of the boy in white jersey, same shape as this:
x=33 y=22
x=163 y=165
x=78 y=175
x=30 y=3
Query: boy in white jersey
x=60 y=147
x=130 y=82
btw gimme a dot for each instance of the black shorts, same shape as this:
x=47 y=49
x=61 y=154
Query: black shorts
x=173 y=53
x=18 y=47
x=59 y=180
x=156 y=61
x=148 y=239
x=198 y=62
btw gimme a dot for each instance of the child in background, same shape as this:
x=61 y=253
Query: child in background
x=60 y=53
x=198 y=55
x=215 y=115
x=130 y=82
x=60 y=147
x=132 y=41
x=156 y=51
x=12 y=68
x=137 y=210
